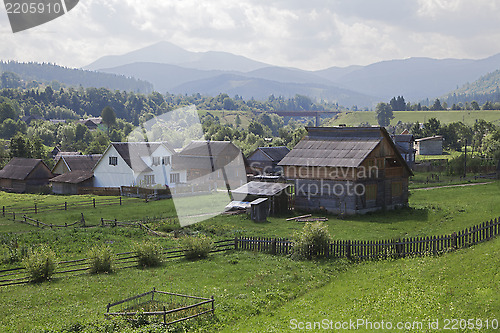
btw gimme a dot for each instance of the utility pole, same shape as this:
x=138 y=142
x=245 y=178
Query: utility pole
x=465 y=159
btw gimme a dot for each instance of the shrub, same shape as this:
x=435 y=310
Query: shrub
x=197 y=247
x=40 y=264
x=312 y=241
x=101 y=259
x=149 y=254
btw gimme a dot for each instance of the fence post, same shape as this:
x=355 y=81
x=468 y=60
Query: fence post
x=348 y=249
x=454 y=240
x=107 y=307
x=102 y=222
x=273 y=246
x=14 y=215
x=213 y=305
x=120 y=201
x=153 y=294
x=83 y=220
x=24 y=218
x=93 y=202
x=3 y=211
x=164 y=315
x=65 y=205
x=116 y=222
x=36 y=210
x=236 y=243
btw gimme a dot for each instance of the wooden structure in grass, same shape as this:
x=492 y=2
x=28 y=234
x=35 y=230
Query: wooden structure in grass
x=347 y=170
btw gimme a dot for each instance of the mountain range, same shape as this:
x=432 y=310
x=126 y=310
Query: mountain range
x=173 y=69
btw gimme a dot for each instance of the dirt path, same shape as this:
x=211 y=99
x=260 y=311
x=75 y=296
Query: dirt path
x=458 y=185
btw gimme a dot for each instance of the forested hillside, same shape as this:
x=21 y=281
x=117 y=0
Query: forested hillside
x=26 y=73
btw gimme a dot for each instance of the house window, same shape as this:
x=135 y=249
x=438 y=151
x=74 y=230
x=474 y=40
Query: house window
x=174 y=178
x=113 y=160
x=165 y=160
x=397 y=189
x=371 y=192
x=149 y=179
x=156 y=160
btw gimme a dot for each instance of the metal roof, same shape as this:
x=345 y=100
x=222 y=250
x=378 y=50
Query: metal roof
x=274 y=153
x=205 y=155
x=331 y=152
x=435 y=137
x=261 y=188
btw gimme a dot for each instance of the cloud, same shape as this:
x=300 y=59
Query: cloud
x=306 y=34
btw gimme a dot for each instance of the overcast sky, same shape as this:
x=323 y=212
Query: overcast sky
x=308 y=34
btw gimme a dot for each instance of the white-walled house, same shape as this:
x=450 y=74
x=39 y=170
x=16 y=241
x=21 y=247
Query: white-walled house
x=145 y=164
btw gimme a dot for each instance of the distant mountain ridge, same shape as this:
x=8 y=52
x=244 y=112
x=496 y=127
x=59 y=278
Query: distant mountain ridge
x=173 y=69
x=75 y=77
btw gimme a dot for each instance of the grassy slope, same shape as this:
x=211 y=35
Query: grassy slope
x=468 y=117
x=251 y=284
x=462 y=284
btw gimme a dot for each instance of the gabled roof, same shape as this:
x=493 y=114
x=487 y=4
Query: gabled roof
x=73 y=177
x=132 y=153
x=205 y=155
x=338 y=147
x=79 y=162
x=403 y=138
x=275 y=154
x=334 y=147
x=20 y=168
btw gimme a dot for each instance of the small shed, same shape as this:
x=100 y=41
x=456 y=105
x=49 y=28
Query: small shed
x=70 y=182
x=277 y=193
x=259 y=210
x=77 y=162
x=24 y=175
x=432 y=145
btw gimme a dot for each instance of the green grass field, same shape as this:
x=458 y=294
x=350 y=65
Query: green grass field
x=257 y=292
x=445 y=117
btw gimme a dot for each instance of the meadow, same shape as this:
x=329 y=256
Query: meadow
x=445 y=117
x=257 y=292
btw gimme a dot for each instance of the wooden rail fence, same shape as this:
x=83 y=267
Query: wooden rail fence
x=37 y=208
x=147 y=300
x=18 y=275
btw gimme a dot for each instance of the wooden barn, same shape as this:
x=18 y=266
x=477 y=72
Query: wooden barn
x=70 y=182
x=432 y=145
x=347 y=170
x=24 y=175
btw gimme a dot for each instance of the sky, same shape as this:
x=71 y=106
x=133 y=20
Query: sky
x=311 y=35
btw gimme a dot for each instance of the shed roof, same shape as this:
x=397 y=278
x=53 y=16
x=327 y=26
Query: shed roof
x=261 y=188
x=435 y=137
x=205 y=155
x=20 y=168
x=73 y=177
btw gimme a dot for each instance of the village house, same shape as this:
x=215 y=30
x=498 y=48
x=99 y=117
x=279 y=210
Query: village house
x=432 y=145
x=22 y=175
x=73 y=172
x=145 y=164
x=91 y=123
x=347 y=170
x=405 y=143
x=264 y=160
x=220 y=162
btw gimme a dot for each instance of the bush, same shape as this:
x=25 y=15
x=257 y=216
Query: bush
x=312 y=241
x=197 y=247
x=40 y=264
x=149 y=254
x=101 y=259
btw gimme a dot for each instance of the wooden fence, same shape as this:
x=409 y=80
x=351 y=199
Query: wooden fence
x=18 y=275
x=148 y=301
x=394 y=248
x=37 y=208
